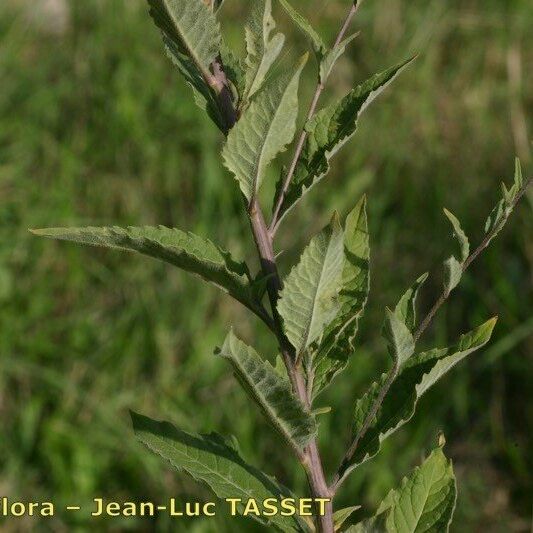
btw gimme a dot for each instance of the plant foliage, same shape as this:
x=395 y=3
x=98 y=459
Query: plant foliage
x=315 y=310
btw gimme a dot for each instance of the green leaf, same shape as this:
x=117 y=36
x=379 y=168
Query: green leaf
x=309 y=300
x=326 y=57
x=453 y=272
x=400 y=340
x=337 y=343
x=340 y=516
x=184 y=250
x=329 y=130
x=425 y=501
x=305 y=27
x=460 y=235
x=191 y=26
x=262 y=49
x=501 y=213
x=406 y=307
x=192 y=39
x=271 y=392
x=212 y=460
x=332 y=56
x=265 y=129
x=235 y=71
x=414 y=379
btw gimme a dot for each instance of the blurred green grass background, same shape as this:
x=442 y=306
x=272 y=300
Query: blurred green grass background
x=97 y=128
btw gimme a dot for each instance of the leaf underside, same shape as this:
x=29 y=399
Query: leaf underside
x=192 y=39
x=211 y=460
x=183 y=250
x=271 y=392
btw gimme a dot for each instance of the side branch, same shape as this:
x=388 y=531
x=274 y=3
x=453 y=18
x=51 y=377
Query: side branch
x=303 y=136
x=469 y=260
x=393 y=373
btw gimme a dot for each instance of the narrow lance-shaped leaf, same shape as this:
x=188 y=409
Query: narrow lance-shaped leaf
x=326 y=57
x=212 y=460
x=329 y=130
x=424 y=503
x=415 y=377
x=271 y=392
x=305 y=27
x=262 y=49
x=454 y=267
x=184 y=250
x=460 y=235
x=500 y=214
x=192 y=38
x=309 y=299
x=337 y=343
x=400 y=340
x=406 y=307
x=332 y=56
x=265 y=129
x=453 y=272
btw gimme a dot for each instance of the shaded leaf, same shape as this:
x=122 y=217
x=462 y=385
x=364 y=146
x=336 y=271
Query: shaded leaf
x=235 y=71
x=184 y=250
x=212 y=460
x=330 y=129
x=265 y=129
x=406 y=307
x=453 y=272
x=337 y=344
x=414 y=378
x=340 y=516
x=460 y=235
x=401 y=344
x=262 y=49
x=309 y=299
x=501 y=213
x=271 y=392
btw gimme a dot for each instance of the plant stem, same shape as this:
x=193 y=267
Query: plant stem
x=263 y=237
x=338 y=479
x=311 y=459
x=274 y=225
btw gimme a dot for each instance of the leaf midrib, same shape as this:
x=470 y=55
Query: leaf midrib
x=249 y=493
x=316 y=291
x=266 y=138
x=272 y=415
x=205 y=73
